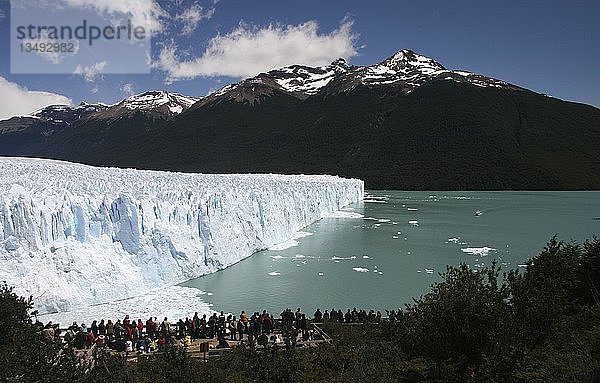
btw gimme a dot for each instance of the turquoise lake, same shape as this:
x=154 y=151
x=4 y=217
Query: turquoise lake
x=398 y=247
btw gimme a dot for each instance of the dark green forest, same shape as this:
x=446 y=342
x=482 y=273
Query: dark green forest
x=441 y=136
x=537 y=325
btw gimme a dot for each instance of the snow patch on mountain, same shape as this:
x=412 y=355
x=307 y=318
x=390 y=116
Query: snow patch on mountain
x=405 y=69
x=73 y=235
x=308 y=80
x=152 y=100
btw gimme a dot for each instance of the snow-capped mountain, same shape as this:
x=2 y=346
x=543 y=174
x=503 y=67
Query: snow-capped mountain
x=51 y=117
x=157 y=103
x=166 y=102
x=73 y=235
x=406 y=70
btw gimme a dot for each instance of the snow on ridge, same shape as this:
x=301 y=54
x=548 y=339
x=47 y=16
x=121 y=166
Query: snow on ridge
x=153 y=99
x=73 y=235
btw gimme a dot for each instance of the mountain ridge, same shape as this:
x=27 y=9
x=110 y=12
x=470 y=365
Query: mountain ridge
x=406 y=122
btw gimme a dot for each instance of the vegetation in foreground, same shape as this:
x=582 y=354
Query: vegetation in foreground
x=537 y=325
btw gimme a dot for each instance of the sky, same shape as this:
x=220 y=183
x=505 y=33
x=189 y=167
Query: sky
x=195 y=47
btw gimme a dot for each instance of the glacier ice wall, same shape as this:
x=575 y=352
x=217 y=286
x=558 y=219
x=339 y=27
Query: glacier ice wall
x=75 y=235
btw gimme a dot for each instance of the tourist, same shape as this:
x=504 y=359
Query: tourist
x=94 y=328
x=196 y=324
x=244 y=319
x=110 y=332
x=102 y=328
x=150 y=327
x=233 y=328
x=318 y=316
x=203 y=326
x=221 y=324
x=263 y=340
x=212 y=326
x=181 y=329
x=240 y=329
x=298 y=316
x=165 y=328
x=118 y=329
x=303 y=325
x=140 y=326
x=142 y=345
x=135 y=335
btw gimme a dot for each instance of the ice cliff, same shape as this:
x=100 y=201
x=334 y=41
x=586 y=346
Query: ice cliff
x=74 y=235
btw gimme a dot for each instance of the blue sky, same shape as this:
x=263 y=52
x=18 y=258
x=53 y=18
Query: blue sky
x=549 y=47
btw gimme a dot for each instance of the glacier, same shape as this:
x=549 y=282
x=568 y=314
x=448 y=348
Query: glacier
x=74 y=235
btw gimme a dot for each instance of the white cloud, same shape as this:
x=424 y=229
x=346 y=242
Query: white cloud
x=128 y=89
x=145 y=13
x=90 y=73
x=247 y=51
x=192 y=16
x=18 y=100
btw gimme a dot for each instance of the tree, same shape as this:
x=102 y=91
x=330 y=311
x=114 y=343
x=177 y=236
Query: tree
x=461 y=320
x=589 y=278
x=26 y=355
x=543 y=294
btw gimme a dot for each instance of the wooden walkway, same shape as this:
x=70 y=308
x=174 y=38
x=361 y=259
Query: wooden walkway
x=208 y=348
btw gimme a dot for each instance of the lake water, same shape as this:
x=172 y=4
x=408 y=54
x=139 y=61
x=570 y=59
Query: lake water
x=397 y=247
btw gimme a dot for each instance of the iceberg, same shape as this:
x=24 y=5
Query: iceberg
x=73 y=235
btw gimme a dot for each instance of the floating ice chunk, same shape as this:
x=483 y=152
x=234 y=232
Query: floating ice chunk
x=297 y=256
x=412 y=209
x=336 y=258
x=321 y=274
x=274 y=273
x=284 y=245
x=413 y=222
x=360 y=269
x=380 y=273
x=345 y=214
x=209 y=294
x=394 y=236
x=419 y=271
x=301 y=234
x=429 y=271
x=365 y=257
x=482 y=251
x=384 y=220
x=277 y=257
x=375 y=199
x=453 y=239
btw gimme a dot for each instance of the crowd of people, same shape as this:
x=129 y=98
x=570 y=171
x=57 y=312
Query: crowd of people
x=129 y=335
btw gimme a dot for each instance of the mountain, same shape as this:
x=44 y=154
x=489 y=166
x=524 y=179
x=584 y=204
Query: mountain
x=62 y=131
x=404 y=123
